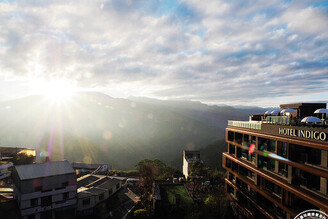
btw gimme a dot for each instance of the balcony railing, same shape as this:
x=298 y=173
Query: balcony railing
x=245 y=124
x=277 y=119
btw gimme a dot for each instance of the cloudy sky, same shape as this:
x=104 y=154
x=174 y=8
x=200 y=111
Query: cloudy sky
x=219 y=52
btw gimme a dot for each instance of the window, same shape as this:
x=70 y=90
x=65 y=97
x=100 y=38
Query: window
x=239 y=138
x=230 y=136
x=46 y=201
x=272 y=145
x=271 y=187
x=267 y=144
x=86 y=202
x=228 y=163
x=246 y=141
x=232 y=149
x=283 y=169
x=231 y=177
x=110 y=191
x=64 y=184
x=65 y=195
x=117 y=185
x=101 y=197
x=251 y=175
x=230 y=189
x=34 y=202
x=266 y=163
x=284 y=149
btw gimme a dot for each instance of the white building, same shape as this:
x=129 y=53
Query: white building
x=45 y=190
x=188 y=158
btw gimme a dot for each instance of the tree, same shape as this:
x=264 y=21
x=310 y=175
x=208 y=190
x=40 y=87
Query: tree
x=22 y=158
x=149 y=171
x=199 y=170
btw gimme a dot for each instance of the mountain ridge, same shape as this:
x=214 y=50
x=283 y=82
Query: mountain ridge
x=119 y=131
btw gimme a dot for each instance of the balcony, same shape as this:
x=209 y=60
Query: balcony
x=245 y=124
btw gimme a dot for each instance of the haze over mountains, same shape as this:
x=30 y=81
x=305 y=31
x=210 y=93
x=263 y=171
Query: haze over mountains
x=97 y=128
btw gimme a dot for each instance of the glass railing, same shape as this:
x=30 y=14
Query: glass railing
x=245 y=124
x=277 y=119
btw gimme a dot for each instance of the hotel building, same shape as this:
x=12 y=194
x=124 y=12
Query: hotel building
x=277 y=165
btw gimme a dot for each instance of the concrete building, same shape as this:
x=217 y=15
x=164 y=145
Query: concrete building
x=45 y=190
x=277 y=165
x=188 y=158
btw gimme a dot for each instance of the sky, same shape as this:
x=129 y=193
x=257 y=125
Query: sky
x=256 y=52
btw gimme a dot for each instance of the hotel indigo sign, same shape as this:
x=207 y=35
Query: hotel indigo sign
x=309 y=134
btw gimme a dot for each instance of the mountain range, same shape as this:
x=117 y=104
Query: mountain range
x=94 y=127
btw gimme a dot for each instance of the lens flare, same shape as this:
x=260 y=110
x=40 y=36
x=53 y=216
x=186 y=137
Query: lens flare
x=251 y=148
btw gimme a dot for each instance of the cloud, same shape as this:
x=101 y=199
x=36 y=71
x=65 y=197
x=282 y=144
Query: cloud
x=241 y=52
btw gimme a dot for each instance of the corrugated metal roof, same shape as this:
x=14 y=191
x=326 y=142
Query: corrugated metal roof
x=32 y=171
x=87 y=179
x=110 y=183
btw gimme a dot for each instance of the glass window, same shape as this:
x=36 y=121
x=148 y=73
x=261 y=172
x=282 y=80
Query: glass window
x=101 y=197
x=283 y=169
x=232 y=149
x=246 y=141
x=230 y=136
x=239 y=138
x=34 y=202
x=65 y=195
x=86 y=202
x=228 y=163
x=46 y=201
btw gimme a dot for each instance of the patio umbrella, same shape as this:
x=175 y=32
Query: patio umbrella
x=288 y=111
x=323 y=111
x=275 y=112
x=311 y=119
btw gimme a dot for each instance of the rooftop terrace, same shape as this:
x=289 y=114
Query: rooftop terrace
x=298 y=114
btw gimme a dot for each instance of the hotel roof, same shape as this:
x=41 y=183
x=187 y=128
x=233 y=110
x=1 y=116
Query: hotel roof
x=297 y=105
x=39 y=170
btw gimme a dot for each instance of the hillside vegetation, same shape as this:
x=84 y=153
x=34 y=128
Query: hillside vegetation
x=94 y=127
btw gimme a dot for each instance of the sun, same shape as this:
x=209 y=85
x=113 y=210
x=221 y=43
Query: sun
x=58 y=90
